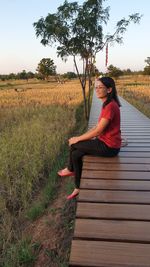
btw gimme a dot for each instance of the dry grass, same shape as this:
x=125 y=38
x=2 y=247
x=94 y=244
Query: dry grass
x=136 y=90
x=41 y=94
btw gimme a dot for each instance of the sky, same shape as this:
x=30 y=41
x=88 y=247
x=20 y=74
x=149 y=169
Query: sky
x=21 y=50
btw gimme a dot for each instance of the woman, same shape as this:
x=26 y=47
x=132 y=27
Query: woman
x=102 y=140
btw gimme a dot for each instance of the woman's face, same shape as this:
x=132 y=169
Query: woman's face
x=101 y=90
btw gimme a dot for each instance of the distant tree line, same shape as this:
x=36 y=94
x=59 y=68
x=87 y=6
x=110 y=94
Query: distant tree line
x=117 y=72
x=19 y=76
x=30 y=75
x=46 y=68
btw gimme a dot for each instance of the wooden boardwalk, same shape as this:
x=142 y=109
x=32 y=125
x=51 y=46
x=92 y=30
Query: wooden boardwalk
x=112 y=227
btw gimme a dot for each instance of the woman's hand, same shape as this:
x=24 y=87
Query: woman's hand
x=73 y=140
x=94 y=132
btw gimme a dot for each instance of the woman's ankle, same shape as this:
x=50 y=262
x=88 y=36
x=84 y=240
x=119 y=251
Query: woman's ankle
x=76 y=190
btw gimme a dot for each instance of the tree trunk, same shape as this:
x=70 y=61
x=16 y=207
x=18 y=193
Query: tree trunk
x=83 y=85
x=89 y=92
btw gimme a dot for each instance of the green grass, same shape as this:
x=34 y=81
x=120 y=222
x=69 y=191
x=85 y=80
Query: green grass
x=32 y=150
x=24 y=253
x=29 y=150
x=50 y=190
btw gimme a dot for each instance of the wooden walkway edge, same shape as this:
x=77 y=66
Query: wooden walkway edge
x=112 y=227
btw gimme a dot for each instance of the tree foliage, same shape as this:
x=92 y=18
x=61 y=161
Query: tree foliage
x=70 y=75
x=77 y=30
x=23 y=75
x=127 y=72
x=148 y=61
x=146 y=70
x=46 y=68
x=147 y=67
x=114 y=71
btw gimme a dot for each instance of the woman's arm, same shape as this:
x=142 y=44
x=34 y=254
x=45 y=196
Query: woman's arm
x=93 y=128
x=95 y=131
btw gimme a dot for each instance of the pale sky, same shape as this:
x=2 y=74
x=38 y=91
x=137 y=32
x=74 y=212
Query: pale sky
x=21 y=50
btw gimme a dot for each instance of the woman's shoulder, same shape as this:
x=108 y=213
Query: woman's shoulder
x=112 y=104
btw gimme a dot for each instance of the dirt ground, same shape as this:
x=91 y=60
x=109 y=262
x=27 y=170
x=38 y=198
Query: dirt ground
x=53 y=231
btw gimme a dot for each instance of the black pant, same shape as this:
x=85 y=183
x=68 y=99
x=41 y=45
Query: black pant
x=89 y=147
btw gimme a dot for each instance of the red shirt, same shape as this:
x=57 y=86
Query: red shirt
x=112 y=134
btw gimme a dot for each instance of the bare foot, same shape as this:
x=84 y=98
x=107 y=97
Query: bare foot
x=65 y=172
x=76 y=191
x=74 y=194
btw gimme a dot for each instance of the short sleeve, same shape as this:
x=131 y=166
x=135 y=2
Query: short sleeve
x=108 y=112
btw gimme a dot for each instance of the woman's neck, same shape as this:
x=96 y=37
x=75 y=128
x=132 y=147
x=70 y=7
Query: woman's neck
x=103 y=99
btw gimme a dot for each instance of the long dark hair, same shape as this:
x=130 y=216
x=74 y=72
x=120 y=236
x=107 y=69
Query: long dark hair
x=109 y=83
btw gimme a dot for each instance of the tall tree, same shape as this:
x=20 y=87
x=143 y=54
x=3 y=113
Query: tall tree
x=46 y=68
x=78 y=31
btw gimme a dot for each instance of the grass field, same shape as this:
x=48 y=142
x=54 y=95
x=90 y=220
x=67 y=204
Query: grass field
x=136 y=90
x=35 y=123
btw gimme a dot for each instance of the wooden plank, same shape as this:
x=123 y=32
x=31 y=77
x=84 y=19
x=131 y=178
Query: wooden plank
x=144 y=144
x=116 y=160
x=129 y=127
x=109 y=254
x=114 y=196
x=136 y=123
x=138 y=136
x=132 y=131
x=128 y=175
x=113 y=211
x=129 y=154
x=134 y=120
x=114 y=184
x=136 y=128
x=117 y=167
x=135 y=149
x=126 y=127
x=137 y=140
x=132 y=231
x=135 y=133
